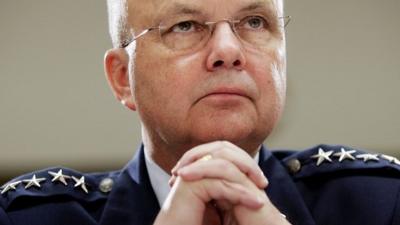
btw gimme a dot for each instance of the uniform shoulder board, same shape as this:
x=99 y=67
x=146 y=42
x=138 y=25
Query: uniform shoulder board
x=59 y=182
x=324 y=159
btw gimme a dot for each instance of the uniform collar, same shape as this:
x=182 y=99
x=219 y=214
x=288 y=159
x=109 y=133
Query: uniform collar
x=132 y=199
x=282 y=191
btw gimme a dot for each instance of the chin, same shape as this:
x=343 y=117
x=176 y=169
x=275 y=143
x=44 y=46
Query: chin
x=244 y=128
x=232 y=132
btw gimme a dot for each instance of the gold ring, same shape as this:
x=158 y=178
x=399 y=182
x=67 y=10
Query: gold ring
x=206 y=157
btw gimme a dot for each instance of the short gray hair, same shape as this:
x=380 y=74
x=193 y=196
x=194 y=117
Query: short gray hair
x=118 y=22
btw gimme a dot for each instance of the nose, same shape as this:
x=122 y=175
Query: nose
x=225 y=50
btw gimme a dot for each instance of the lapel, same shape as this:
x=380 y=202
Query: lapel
x=132 y=200
x=282 y=191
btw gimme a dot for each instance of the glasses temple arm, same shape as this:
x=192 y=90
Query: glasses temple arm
x=134 y=38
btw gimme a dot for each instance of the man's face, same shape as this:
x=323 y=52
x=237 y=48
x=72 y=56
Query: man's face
x=224 y=90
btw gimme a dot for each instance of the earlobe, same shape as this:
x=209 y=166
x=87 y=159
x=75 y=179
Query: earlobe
x=116 y=63
x=130 y=103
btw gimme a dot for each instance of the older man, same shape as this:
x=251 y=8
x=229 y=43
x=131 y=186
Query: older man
x=208 y=80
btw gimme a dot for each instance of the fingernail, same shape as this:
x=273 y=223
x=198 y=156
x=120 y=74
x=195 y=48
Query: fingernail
x=172 y=180
x=266 y=181
x=173 y=171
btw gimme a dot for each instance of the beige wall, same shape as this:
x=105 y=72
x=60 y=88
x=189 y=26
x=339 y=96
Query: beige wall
x=56 y=108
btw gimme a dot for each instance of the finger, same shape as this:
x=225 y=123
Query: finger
x=268 y=212
x=249 y=166
x=226 y=150
x=254 y=172
x=196 y=153
x=215 y=169
x=234 y=193
x=213 y=189
x=172 y=180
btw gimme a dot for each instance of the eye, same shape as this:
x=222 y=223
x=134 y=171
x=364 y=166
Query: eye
x=254 y=22
x=185 y=26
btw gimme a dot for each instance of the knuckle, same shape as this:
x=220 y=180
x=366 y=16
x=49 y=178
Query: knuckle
x=220 y=144
x=226 y=143
x=216 y=190
x=226 y=166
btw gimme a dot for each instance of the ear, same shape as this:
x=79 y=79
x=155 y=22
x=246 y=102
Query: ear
x=116 y=62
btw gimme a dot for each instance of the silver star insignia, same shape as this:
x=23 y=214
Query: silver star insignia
x=80 y=182
x=368 y=157
x=10 y=186
x=33 y=182
x=391 y=159
x=59 y=176
x=343 y=154
x=322 y=156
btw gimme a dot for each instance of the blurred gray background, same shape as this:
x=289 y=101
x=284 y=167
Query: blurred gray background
x=56 y=107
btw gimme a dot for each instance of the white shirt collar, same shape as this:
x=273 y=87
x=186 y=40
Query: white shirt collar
x=159 y=178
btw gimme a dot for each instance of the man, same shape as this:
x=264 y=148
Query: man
x=208 y=80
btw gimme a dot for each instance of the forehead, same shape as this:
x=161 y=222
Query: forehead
x=141 y=9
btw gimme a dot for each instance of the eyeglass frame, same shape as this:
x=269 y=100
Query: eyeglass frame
x=210 y=23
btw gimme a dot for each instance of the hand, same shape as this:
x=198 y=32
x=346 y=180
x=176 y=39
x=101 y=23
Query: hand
x=223 y=150
x=188 y=201
x=226 y=161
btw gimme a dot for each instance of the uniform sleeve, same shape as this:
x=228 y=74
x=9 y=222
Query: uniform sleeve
x=4 y=220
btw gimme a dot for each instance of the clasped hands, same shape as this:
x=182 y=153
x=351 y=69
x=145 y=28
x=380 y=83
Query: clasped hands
x=218 y=183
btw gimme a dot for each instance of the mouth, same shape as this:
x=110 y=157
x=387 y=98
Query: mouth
x=225 y=95
x=228 y=92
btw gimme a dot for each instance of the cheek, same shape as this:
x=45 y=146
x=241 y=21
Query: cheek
x=279 y=78
x=269 y=74
x=278 y=71
x=166 y=81
x=148 y=80
x=268 y=70
x=184 y=73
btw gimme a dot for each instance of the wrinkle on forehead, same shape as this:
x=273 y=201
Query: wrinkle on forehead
x=220 y=8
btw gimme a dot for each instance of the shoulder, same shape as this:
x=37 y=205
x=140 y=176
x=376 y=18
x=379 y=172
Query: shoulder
x=333 y=159
x=50 y=189
x=339 y=180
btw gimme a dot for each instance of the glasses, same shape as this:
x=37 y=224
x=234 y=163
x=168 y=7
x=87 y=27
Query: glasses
x=254 y=30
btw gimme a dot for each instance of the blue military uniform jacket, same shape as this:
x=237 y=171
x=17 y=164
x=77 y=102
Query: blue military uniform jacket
x=324 y=185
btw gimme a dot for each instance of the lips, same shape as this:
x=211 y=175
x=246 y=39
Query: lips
x=226 y=93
